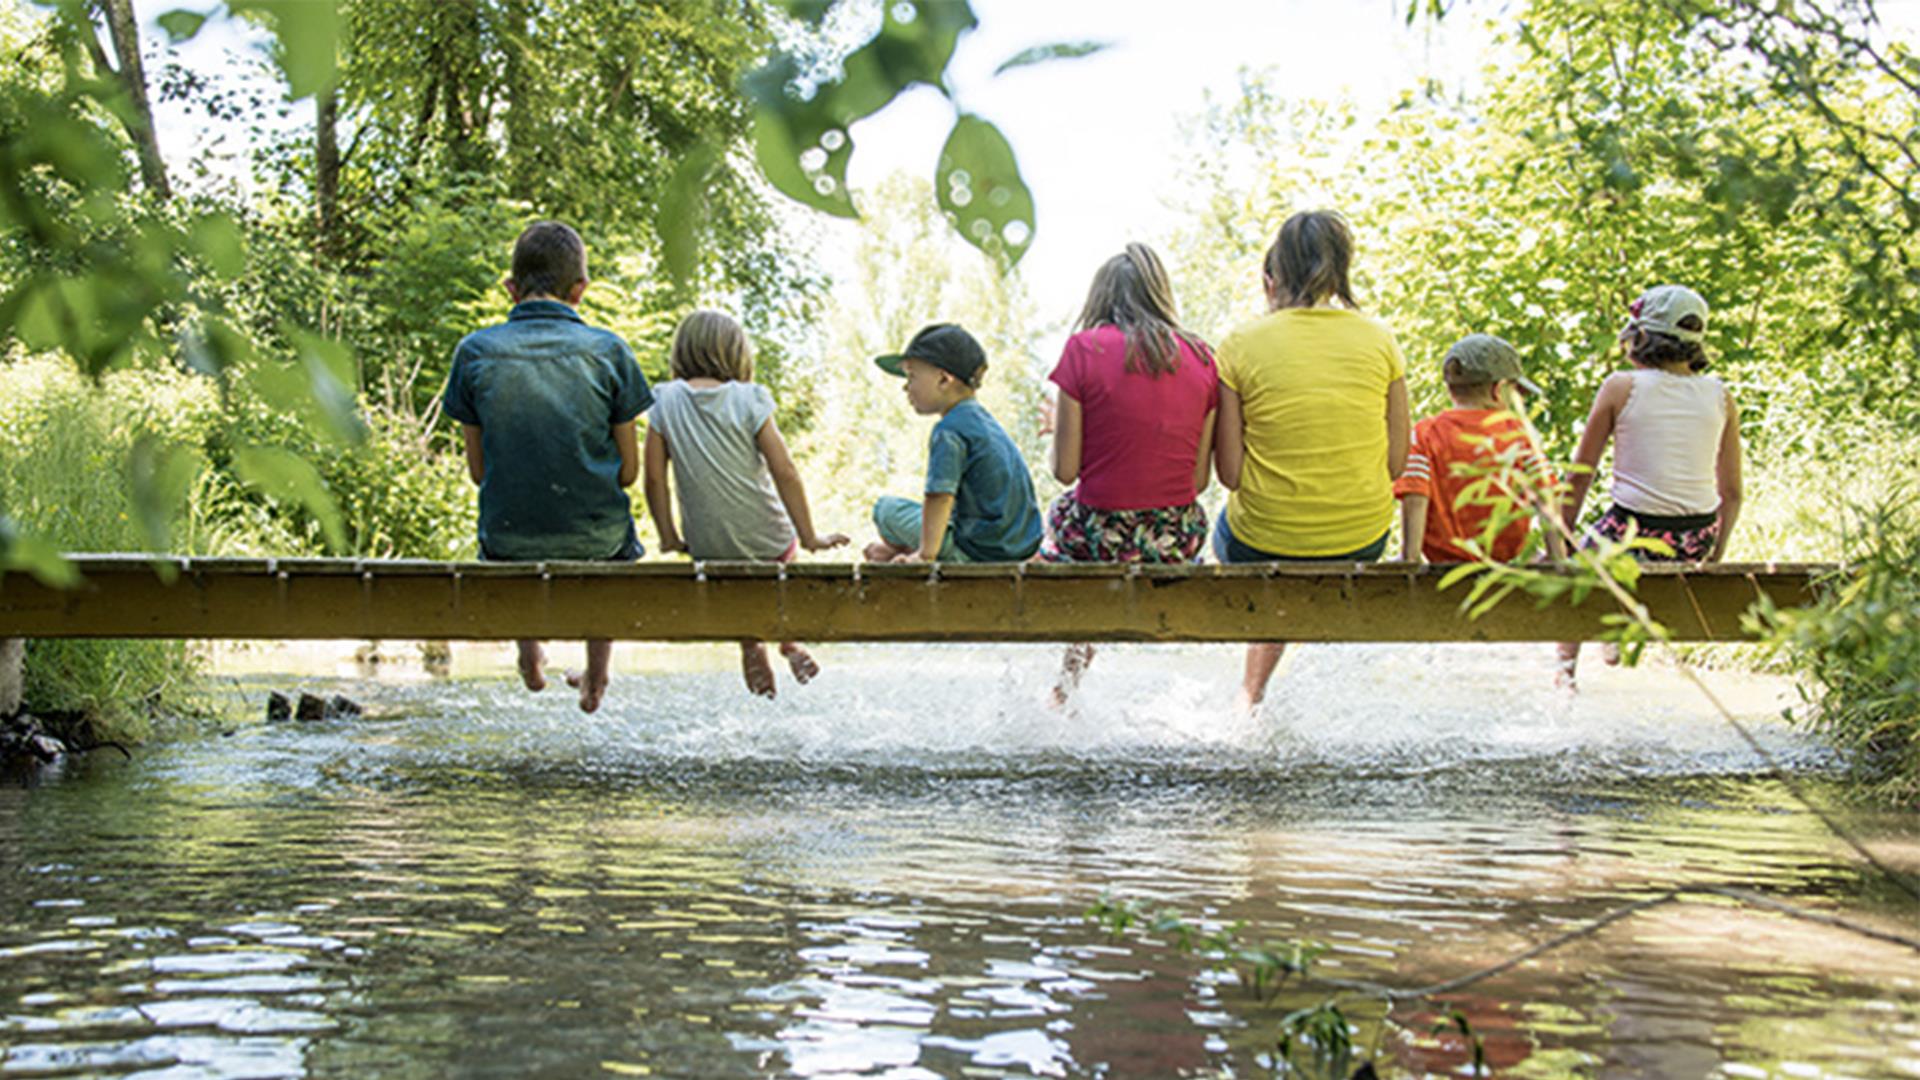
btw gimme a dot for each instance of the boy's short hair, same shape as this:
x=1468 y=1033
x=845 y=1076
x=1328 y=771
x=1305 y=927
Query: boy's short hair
x=711 y=345
x=549 y=259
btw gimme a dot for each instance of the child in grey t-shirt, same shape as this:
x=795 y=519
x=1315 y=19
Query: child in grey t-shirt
x=740 y=495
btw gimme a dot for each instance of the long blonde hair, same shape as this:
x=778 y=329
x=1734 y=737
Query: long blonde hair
x=711 y=345
x=1131 y=292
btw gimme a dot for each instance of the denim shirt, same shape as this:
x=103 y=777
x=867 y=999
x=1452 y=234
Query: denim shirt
x=545 y=390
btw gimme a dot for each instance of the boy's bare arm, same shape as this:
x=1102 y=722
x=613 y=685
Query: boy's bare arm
x=934 y=515
x=1413 y=526
x=659 y=494
x=476 y=458
x=628 y=440
x=793 y=493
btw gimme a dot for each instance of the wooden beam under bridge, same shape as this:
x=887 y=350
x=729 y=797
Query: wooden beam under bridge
x=124 y=596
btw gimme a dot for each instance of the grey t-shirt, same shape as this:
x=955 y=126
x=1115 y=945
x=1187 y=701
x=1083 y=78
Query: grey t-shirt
x=729 y=508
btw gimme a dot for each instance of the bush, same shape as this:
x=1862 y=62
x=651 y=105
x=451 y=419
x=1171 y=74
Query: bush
x=1858 y=648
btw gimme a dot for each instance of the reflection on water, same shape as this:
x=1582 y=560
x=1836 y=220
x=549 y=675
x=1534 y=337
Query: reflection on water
x=884 y=875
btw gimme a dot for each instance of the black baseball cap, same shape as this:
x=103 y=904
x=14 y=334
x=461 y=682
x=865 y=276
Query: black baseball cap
x=943 y=345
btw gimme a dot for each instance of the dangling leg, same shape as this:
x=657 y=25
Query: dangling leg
x=532 y=664
x=799 y=661
x=593 y=684
x=1072 y=666
x=1563 y=671
x=756 y=668
x=1262 y=658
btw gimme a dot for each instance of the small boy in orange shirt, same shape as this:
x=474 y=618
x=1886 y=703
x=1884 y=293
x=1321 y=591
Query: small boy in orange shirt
x=1480 y=370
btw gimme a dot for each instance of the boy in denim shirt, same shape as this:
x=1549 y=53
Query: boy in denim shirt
x=547 y=406
x=979 y=497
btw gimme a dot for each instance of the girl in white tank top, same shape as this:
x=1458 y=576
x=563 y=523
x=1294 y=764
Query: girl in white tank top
x=1676 y=436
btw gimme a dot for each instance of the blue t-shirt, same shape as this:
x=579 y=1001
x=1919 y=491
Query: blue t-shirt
x=546 y=389
x=970 y=457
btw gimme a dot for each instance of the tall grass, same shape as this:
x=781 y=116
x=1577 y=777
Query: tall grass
x=63 y=476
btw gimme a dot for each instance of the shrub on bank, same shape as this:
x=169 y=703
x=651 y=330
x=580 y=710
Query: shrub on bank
x=1858 y=650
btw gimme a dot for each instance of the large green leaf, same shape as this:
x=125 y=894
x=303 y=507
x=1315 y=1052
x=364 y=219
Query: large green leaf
x=331 y=385
x=801 y=140
x=160 y=475
x=309 y=33
x=181 y=24
x=286 y=477
x=35 y=556
x=979 y=186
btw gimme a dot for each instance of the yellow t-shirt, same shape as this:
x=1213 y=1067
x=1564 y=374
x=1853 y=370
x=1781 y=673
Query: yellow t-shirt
x=1313 y=395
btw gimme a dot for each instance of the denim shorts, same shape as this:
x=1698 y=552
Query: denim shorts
x=1228 y=549
x=630 y=551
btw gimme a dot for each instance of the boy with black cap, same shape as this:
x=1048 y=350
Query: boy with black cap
x=979 y=504
x=1481 y=371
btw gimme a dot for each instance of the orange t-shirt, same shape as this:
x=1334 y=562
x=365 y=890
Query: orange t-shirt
x=1456 y=437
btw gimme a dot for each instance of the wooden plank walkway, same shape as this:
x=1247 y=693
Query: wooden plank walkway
x=123 y=596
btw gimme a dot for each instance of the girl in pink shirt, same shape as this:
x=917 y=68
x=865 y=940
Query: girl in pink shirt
x=1132 y=432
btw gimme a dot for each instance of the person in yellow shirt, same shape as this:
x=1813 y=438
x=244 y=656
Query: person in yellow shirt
x=1313 y=423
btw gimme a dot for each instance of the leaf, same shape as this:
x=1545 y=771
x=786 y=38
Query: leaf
x=181 y=24
x=331 y=382
x=811 y=12
x=683 y=213
x=802 y=142
x=309 y=33
x=1040 y=54
x=978 y=184
x=284 y=476
x=160 y=474
x=35 y=556
x=218 y=240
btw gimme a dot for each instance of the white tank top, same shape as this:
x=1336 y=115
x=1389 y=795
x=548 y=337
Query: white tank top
x=1667 y=443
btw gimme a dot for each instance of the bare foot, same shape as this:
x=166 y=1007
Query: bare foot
x=756 y=668
x=592 y=691
x=533 y=661
x=800 y=662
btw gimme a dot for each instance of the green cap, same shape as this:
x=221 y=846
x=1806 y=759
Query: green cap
x=1661 y=308
x=1482 y=358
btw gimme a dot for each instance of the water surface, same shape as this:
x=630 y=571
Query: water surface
x=885 y=874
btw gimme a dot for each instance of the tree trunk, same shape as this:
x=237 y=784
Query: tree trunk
x=326 y=168
x=133 y=79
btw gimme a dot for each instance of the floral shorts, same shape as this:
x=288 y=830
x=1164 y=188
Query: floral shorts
x=1692 y=538
x=1077 y=532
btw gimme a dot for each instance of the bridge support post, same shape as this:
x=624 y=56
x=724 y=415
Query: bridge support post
x=13 y=653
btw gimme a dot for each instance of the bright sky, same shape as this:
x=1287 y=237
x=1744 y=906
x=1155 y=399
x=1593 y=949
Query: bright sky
x=1100 y=139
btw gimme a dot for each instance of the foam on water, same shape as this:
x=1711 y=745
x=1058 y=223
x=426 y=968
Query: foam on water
x=1375 y=709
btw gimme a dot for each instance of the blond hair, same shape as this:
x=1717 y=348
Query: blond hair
x=711 y=345
x=1132 y=293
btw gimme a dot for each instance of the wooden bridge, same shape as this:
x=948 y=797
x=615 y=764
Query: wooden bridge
x=144 y=596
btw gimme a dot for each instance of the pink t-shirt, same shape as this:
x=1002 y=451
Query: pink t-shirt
x=1140 y=432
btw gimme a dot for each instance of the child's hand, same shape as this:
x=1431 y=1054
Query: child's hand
x=672 y=544
x=909 y=557
x=822 y=543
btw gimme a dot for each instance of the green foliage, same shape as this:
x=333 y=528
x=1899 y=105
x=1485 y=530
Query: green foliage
x=1859 y=649
x=1613 y=149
